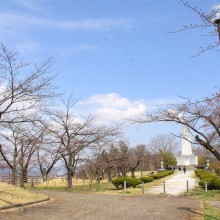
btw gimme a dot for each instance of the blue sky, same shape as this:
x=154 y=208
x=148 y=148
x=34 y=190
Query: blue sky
x=115 y=55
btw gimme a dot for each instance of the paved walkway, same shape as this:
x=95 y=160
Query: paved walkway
x=176 y=185
x=68 y=206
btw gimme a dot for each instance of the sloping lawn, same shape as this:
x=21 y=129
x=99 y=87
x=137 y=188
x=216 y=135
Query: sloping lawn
x=13 y=196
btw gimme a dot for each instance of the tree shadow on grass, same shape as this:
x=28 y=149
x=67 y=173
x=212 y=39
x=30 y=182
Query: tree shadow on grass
x=192 y=211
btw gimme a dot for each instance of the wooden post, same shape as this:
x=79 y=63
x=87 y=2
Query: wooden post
x=164 y=187
x=187 y=186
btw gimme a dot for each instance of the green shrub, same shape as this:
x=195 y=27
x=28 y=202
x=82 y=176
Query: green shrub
x=162 y=174
x=213 y=181
x=146 y=179
x=130 y=182
x=216 y=183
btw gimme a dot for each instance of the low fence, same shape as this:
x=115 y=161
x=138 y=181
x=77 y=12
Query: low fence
x=164 y=188
x=29 y=179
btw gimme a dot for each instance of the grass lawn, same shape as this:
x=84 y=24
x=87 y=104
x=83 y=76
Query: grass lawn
x=15 y=196
x=86 y=186
x=12 y=195
x=211 y=202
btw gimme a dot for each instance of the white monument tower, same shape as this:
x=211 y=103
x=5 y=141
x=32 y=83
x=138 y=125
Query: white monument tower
x=187 y=158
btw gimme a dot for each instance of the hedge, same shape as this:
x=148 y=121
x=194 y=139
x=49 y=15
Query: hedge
x=213 y=181
x=130 y=182
x=146 y=179
x=162 y=174
x=133 y=182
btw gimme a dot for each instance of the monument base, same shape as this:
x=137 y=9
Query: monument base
x=187 y=160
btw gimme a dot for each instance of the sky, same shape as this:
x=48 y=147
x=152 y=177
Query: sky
x=116 y=56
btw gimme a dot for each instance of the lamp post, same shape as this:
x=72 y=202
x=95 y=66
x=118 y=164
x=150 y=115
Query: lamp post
x=215 y=17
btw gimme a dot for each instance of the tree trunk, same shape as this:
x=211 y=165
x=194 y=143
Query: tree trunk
x=44 y=175
x=21 y=163
x=208 y=147
x=21 y=174
x=13 y=175
x=13 y=169
x=132 y=173
x=123 y=171
x=69 y=177
x=25 y=176
x=98 y=178
x=70 y=172
x=13 y=172
x=109 y=175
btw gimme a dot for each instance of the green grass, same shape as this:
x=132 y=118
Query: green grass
x=210 y=212
x=102 y=188
x=209 y=195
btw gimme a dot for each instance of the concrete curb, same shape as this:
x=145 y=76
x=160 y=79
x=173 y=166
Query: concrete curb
x=24 y=204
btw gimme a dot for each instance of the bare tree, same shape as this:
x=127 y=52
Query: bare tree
x=123 y=154
x=100 y=162
x=76 y=134
x=209 y=21
x=136 y=156
x=20 y=143
x=112 y=160
x=24 y=86
x=47 y=157
x=164 y=143
x=202 y=117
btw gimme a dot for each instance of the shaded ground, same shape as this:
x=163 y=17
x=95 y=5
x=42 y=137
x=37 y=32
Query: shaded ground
x=68 y=206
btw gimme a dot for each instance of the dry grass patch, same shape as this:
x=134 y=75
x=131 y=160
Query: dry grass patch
x=62 y=182
x=13 y=195
x=144 y=173
x=90 y=186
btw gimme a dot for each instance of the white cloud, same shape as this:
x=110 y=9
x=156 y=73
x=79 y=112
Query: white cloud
x=31 y=5
x=112 y=107
x=66 y=51
x=108 y=100
x=26 y=47
x=94 y=24
x=9 y=20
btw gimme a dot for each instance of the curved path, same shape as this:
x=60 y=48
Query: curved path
x=176 y=185
x=67 y=206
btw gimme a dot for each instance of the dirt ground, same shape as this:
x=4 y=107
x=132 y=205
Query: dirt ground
x=66 y=206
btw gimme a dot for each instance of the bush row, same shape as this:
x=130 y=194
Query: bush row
x=213 y=181
x=133 y=182
x=162 y=174
x=146 y=179
x=130 y=182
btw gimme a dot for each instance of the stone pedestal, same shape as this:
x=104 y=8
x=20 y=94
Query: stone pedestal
x=187 y=160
